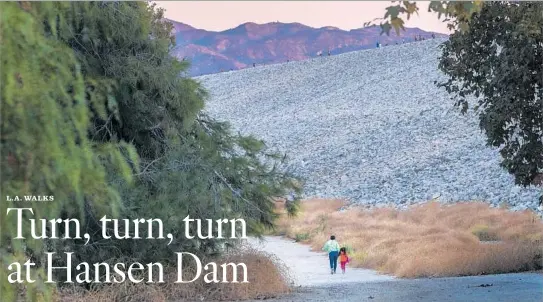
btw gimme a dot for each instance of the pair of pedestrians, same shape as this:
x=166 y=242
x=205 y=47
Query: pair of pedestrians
x=335 y=253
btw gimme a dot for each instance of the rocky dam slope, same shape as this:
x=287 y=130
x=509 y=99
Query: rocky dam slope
x=369 y=126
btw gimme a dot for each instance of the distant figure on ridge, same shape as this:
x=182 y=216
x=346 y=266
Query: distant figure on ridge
x=254 y=64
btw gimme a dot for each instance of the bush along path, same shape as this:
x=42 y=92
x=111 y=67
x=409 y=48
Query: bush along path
x=313 y=281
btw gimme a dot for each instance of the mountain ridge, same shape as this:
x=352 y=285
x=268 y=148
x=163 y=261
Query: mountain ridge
x=252 y=44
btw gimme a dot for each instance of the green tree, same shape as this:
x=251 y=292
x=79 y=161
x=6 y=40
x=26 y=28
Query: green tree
x=496 y=67
x=117 y=110
x=124 y=48
x=191 y=164
x=44 y=144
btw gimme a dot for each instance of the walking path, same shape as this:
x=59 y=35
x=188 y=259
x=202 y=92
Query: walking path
x=310 y=268
x=315 y=283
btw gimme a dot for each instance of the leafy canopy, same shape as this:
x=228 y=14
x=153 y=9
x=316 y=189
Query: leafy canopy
x=456 y=13
x=96 y=113
x=496 y=67
x=44 y=145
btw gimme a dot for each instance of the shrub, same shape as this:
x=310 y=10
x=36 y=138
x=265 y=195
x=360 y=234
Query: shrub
x=301 y=237
x=484 y=233
x=268 y=278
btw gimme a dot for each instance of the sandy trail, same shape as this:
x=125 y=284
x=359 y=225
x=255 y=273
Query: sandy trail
x=311 y=273
x=310 y=268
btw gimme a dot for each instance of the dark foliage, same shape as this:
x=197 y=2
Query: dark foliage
x=496 y=67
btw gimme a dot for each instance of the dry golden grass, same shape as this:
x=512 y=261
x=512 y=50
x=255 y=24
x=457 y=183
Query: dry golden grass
x=267 y=277
x=432 y=239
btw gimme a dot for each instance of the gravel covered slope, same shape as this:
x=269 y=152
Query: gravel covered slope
x=369 y=126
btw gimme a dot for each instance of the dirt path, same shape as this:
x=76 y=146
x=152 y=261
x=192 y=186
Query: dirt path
x=311 y=268
x=315 y=283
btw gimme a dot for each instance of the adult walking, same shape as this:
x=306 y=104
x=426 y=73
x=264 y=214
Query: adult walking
x=332 y=248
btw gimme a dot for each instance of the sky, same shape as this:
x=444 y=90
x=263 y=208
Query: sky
x=221 y=15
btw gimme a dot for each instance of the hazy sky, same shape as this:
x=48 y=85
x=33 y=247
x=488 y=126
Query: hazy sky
x=221 y=15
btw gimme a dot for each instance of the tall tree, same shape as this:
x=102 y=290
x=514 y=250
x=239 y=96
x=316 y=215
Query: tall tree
x=496 y=66
x=191 y=164
x=92 y=103
x=44 y=145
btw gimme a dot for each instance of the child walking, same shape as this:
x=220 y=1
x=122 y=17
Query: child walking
x=343 y=258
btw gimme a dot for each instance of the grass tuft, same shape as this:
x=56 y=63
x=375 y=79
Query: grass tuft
x=484 y=233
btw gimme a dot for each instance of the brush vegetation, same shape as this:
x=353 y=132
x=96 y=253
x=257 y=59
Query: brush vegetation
x=428 y=240
x=268 y=277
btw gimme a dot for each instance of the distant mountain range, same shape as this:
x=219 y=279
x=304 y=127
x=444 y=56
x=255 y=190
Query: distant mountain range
x=258 y=44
